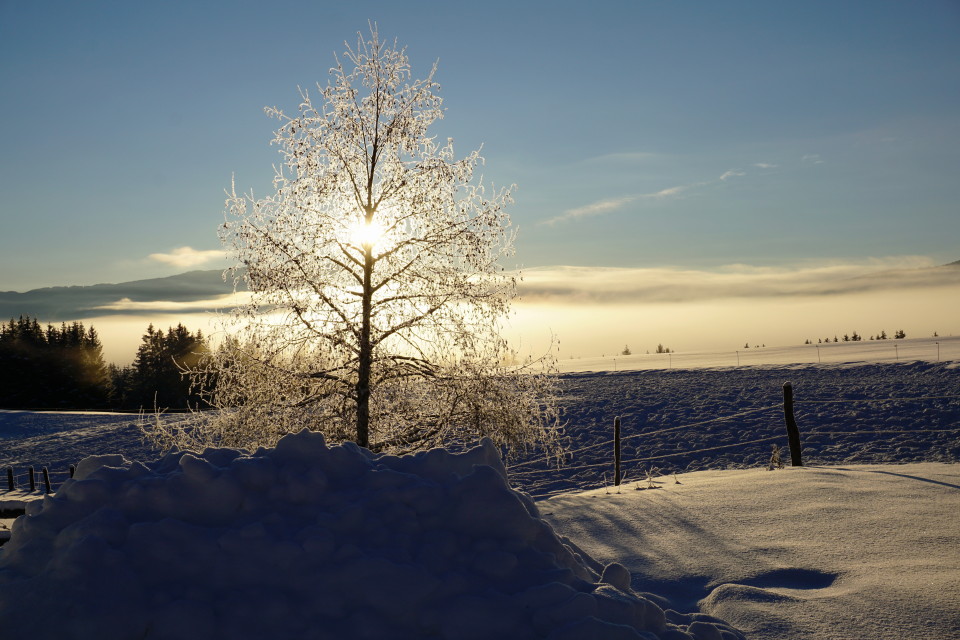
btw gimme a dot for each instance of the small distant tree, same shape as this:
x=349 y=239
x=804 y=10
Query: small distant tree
x=376 y=280
x=900 y=334
x=882 y=336
x=856 y=337
x=846 y=338
x=746 y=345
x=626 y=351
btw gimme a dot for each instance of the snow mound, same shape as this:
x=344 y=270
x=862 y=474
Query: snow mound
x=310 y=541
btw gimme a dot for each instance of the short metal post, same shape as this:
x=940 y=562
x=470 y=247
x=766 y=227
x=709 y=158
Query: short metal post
x=616 y=451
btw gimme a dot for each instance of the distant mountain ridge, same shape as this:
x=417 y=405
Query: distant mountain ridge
x=59 y=304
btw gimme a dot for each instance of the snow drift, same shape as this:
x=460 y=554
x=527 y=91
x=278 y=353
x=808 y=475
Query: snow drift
x=310 y=541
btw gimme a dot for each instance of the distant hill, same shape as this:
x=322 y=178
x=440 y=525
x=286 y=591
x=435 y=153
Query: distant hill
x=58 y=304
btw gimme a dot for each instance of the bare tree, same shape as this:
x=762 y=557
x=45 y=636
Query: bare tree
x=377 y=290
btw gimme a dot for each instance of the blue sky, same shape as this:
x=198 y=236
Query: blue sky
x=642 y=134
x=652 y=133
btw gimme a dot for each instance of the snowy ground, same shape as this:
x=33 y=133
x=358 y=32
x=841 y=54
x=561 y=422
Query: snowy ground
x=833 y=550
x=681 y=420
x=673 y=420
x=843 y=552
x=939 y=349
x=58 y=439
x=309 y=541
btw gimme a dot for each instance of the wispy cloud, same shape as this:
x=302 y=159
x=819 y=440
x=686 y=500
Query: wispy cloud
x=187 y=257
x=811 y=158
x=765 y=165
x=733 y=173
x=592 y=209
x=612 y=204
x=599 y=285
x=666 y=193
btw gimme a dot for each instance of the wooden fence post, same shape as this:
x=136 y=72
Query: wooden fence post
x=46 y=480
x=33 y=481
x=616 y=451
x=10 y=484
x=793 y=434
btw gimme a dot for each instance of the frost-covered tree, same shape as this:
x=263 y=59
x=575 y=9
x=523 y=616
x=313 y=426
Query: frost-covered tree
x=374 y=270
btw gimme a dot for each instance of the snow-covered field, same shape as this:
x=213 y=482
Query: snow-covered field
x=846 y=552
x=833 y=550
x=681 y=420
x=939 y=349
x=673 y=420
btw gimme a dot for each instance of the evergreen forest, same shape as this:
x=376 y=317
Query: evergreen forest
x=63 y=368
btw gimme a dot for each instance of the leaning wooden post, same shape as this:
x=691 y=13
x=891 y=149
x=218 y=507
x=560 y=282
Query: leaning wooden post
x=616 y=451
x=33 y=481
x=10 y=483
x=46 y=480
x=793 y=434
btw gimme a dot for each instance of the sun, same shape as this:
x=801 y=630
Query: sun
x=366 y=234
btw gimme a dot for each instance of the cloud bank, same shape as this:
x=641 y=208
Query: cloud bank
x=609 y=285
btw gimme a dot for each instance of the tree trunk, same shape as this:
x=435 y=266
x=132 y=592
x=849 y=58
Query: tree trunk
x=366 y=354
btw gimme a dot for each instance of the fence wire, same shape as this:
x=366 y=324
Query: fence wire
x=609 y=442
x=648 y=458
x=875 y=400
x=529 y=473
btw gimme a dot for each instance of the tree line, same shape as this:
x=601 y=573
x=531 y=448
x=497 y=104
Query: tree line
x=856 y=337
x=63 y=368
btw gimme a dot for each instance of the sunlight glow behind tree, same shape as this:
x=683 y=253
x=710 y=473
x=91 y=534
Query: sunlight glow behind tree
x=378 y=291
